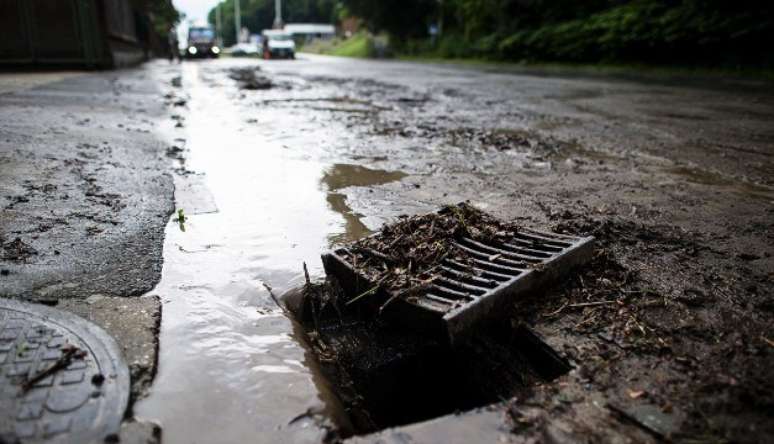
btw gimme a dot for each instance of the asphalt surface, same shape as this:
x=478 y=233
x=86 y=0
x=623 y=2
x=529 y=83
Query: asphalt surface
x=673 y=176
x=86 y=193
x=84 y=187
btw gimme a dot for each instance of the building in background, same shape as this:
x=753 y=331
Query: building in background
x=89 y=33
x=306 y=32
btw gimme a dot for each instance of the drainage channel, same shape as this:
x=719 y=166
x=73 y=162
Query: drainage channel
x=386 y=376
x=232 y=367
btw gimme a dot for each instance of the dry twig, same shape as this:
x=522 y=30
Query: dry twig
x=68 y=353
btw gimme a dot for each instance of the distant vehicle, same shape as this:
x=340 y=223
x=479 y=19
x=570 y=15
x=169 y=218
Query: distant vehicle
x=246 y=50
x=278 y=44
x=201 y=43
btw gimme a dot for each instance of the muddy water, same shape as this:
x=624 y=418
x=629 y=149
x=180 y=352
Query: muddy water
x=231 y=368
x=342 y=175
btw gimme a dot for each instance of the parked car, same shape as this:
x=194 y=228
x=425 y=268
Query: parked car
x=246 y=50
x=278 y=44
x=201 y=43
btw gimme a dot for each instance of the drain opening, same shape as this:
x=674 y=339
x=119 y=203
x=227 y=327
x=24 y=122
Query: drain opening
x=387 y=376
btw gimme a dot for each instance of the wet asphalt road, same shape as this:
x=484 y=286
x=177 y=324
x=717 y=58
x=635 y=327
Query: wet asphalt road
x=271 y=178
x=84 y=186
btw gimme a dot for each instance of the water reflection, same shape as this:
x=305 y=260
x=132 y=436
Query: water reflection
x=340 y=176
x=228 y=355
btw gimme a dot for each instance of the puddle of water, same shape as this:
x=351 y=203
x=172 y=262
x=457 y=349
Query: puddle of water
x=702 y=177
x=342 y=104
x=340 y=176
x=228 y=356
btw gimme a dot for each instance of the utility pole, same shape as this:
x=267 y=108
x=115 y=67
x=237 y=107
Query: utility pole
x=278 y=14
x=219 y=23
x=440 y=17
x=237 y=20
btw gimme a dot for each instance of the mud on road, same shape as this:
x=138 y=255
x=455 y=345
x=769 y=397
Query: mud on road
x=85 y=193
x=668 y=329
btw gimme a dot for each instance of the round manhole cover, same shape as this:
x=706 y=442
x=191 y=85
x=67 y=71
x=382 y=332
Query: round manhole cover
x=62 y=379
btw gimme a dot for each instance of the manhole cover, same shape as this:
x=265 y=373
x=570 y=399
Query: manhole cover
x=460 y=294
x=61 y=377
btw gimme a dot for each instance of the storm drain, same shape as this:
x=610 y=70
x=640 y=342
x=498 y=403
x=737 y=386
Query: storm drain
x=418 y=321
x=463 y=295
x=62 y=379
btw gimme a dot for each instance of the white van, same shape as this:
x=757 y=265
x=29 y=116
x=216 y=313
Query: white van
x=278 y=44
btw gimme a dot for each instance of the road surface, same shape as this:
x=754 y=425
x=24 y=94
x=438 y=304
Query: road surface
x=673 y=176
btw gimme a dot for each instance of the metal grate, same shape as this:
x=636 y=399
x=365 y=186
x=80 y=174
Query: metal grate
x=463 y=295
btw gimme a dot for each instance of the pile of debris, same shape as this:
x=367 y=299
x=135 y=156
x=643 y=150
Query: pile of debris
x=250 y=78
x=503 y=139
x=432 y=295
x=449 y=272
x=406 y=255
x=16 y=250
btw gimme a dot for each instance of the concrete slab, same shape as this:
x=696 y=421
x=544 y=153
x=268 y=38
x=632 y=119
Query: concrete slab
x=484 y=425
x=134 y=323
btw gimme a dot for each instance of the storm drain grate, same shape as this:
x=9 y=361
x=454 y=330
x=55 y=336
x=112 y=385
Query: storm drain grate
x=463 y=295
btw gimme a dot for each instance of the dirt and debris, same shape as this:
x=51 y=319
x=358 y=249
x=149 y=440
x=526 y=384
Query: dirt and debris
x=620 y=317
x=374 y=360
x=250 y=78
x=69 y=352
x=16 y=250
x=90 y=194
x=175 y=152
x=403 y=256
x=504 y=140
x=674 y=313
x=380 y=370
x=175 y=98
x=668 y=307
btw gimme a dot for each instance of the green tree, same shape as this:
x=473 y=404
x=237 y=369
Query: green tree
x=258 y=15
x=162 y=14
x=400 y=18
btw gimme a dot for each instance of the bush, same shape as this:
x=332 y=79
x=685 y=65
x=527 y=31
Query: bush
x=454 y=47
x=359 y=45
x=648 y=31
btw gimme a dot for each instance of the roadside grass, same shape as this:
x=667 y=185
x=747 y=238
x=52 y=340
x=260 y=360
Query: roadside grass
x=599 y=69
x=358 y=46
x=319 y=46
x=361 y=45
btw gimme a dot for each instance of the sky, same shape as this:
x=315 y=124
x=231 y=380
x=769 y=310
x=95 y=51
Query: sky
x=195 y=9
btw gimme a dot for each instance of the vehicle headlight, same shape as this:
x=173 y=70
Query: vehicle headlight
x=192 y=50
x=215 y=50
